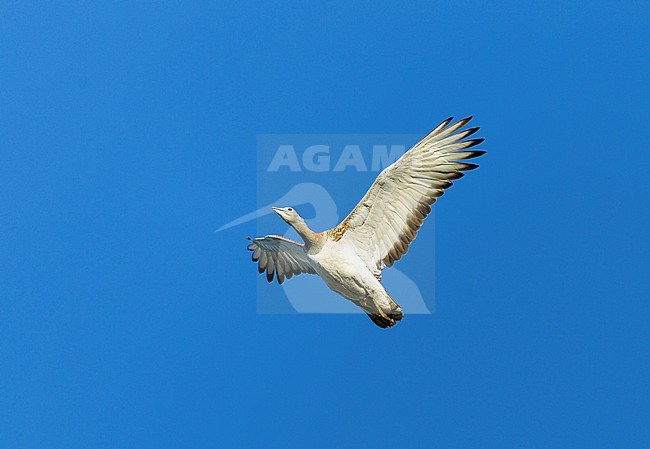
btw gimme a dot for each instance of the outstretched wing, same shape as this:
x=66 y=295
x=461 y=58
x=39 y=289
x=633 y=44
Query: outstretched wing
x=280 y=256
x=386 y=220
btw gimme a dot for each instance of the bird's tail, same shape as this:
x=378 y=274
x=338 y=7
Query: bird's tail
x=385 y=313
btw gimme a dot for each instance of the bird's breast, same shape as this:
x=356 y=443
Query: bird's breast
x=342 y=270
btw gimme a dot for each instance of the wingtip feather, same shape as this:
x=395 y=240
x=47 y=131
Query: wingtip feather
x=465 y=120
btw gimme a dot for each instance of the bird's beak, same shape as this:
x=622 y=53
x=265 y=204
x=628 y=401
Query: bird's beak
x=280 y=212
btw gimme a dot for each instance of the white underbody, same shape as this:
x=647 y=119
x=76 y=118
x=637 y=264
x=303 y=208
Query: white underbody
x=345 y=273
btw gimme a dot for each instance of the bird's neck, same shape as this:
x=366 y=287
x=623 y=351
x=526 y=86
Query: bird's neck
x=308 y=236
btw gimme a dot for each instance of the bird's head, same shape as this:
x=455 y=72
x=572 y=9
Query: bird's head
x=288 y=214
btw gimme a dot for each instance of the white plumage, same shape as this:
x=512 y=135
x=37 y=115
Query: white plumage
x=350 y=257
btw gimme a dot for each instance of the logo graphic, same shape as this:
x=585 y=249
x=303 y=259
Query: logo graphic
x=323 y=177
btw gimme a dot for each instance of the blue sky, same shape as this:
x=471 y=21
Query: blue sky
x=128 y=134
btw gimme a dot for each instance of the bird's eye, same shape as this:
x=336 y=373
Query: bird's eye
x=289 y=209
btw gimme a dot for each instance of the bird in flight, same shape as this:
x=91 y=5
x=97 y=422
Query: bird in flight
x=351 y=256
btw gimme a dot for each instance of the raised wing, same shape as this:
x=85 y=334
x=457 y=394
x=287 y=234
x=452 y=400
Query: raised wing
x=386 y=220
x=279 y=256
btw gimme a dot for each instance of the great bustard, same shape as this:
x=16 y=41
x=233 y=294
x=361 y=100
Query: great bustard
x=350 y=257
